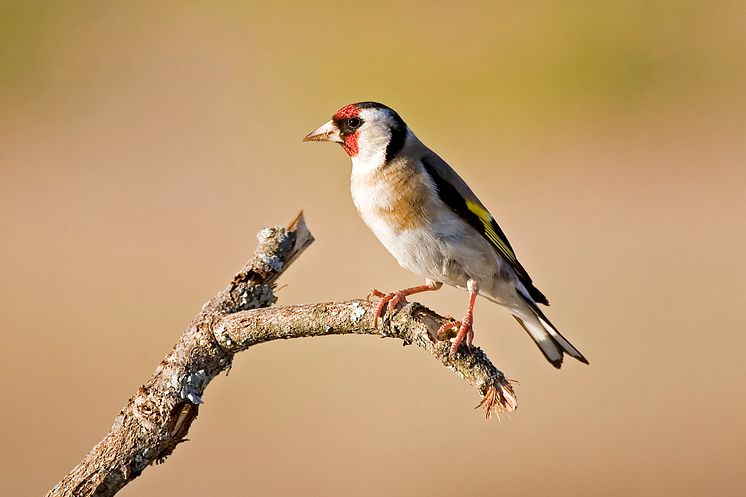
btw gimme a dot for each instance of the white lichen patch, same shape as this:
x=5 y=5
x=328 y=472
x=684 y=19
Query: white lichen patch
x=221 y=335
x=272 y=261
x=190 y=384
x=357 y=312
x=220 y=331
x=265 y=235
x=256 y=296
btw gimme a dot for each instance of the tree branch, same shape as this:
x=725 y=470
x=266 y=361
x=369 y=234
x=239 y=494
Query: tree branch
x=413 y=323
x=157 y=418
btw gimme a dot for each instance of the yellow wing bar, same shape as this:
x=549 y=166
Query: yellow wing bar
x=486 y=218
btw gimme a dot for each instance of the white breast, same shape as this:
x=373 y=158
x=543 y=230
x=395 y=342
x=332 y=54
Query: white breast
x=395 y=203
x=403 y=210
x=372 y=198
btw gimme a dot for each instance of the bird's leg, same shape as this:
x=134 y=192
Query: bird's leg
x=393 y=299
x=466 y=332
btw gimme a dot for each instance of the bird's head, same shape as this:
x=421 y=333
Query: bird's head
x=366 y=130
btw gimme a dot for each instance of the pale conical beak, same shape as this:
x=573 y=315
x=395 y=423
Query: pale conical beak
x=328 y=132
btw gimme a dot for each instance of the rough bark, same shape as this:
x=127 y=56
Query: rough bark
x=157 y=418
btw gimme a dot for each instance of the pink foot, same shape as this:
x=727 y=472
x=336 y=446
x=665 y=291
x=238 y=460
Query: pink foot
x=464 y=333
x=393 y=299
x=443 y=332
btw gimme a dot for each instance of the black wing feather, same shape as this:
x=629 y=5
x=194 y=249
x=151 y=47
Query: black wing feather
x=453 y=199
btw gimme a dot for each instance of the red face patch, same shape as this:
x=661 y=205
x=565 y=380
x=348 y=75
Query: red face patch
x=347 y=111
x=350 y=144
x=350 y=140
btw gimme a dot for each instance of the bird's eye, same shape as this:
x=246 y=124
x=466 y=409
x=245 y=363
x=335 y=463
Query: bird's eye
x=354 y=122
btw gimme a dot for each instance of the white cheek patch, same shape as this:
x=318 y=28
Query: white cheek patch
x=372 y=141
x=374 y=137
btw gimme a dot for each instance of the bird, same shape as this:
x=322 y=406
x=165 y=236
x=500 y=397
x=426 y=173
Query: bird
x=429 y=219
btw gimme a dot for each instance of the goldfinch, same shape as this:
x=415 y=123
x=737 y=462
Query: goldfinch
x=433 y=224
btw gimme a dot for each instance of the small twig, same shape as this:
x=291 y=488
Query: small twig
x=157 y=418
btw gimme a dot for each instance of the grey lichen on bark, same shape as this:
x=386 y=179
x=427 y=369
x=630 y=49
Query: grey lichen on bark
x=157 y=418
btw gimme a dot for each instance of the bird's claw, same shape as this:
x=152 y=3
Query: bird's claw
x=451 y=325
x=464 y=333
x=393 y=299
x=374 y=293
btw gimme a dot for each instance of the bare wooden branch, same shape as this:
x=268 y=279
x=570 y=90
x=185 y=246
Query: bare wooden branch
x=413 y=323
x=157 y=418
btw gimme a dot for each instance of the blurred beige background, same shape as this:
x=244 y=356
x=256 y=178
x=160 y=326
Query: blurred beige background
x=143 y=145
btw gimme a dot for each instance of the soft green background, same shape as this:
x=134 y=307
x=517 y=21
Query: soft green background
x=143 y=144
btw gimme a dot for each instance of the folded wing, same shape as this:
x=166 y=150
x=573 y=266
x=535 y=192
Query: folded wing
x=457 y=195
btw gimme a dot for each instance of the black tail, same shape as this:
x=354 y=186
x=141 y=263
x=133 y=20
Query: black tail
x=549 y=340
